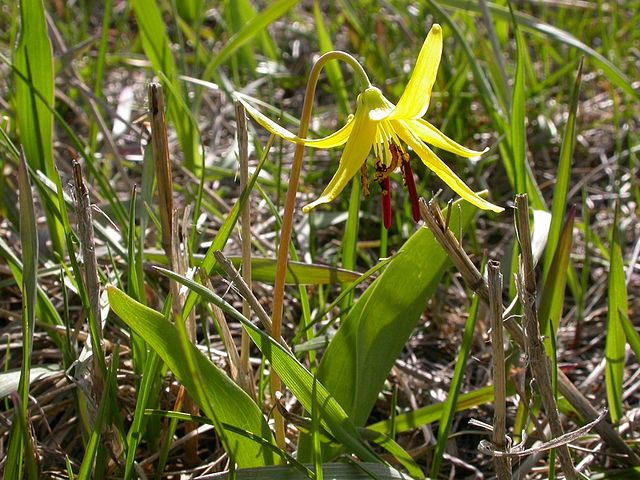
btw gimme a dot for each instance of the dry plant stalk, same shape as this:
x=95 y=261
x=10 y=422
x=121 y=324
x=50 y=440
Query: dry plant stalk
x=432 y=216
x=89 y=270
x=245 y=225
x=170 y=240
x=245 y=291
x=502 y=464
x=537 y=357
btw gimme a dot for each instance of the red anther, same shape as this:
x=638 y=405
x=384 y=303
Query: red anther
x=411 y=186
x=386 y=202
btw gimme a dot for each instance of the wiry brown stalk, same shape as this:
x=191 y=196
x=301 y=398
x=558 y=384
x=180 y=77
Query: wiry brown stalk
x=243 y=159
x=502 y=464
x=244 y=290
x=432 y=216
x=537 y=358
x=171 y=241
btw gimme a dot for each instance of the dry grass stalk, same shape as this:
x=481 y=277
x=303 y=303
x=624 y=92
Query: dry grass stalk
x=432 y=216
x=170 y=239
x=160 y=144
x=245 y=224
x=537 y=358
x=502 y=464
x=245 y=291
x=91 y=282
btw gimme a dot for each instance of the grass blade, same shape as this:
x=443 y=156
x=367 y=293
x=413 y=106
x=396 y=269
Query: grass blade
x=33 y=58
x=563 y=175
x=615 y=342
x=450 y=404
x=29 y=240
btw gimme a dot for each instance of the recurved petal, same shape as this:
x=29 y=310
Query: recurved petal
x=354 y=155
x=442 y=170
x=431 y=135
x=415 y=100
x=336 y=139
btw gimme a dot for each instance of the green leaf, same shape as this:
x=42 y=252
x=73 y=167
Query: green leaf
x=615 y=341
x=223 y=399
x=630 y=332
x=371 y=337
x=293 y=374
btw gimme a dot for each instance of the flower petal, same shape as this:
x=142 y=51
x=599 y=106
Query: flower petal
x=336 y=139
x=431 y=135
x=415 y=100
x=354 y=155
x=441 y=169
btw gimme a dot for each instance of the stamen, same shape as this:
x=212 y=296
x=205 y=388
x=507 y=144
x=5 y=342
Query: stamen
x=386 y=202
x=407 y=174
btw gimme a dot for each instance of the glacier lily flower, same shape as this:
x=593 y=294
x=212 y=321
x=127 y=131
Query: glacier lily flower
x=383 y=127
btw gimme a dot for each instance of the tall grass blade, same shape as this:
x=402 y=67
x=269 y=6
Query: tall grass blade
x=615 y=341
x=33 y=58
x=450 y=404
x=518 y=128
x=29 y=241
x=563 y=175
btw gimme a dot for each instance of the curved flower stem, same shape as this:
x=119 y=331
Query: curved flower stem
x=289 y=206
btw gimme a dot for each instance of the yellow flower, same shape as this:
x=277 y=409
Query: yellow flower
x=384 y=127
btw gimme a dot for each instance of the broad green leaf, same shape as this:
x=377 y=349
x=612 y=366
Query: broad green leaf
x=224 y=399
x=264 y=270
x=559 y=204
x=371 y=337
x=615 y=341
x=292 y=373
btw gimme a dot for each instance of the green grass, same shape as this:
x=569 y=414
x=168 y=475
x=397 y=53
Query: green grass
x=384 y=360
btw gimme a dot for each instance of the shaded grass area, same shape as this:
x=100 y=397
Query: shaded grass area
x=400 y=345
